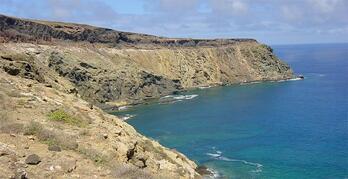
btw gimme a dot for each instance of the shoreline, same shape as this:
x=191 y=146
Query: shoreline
x=122 y=108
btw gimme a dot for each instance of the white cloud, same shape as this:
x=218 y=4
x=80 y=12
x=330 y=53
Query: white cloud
x=229 y=7
x=325 y=6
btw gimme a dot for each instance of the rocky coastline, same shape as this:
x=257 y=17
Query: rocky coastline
x=58 y=79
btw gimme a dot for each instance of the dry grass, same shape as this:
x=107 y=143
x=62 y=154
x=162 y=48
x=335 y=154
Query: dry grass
x=94 y=155
x=51 y=137
x=84 y=132
x=33 y=128
x=11 y=128
x=131 y=172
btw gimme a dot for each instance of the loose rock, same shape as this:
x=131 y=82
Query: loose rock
x=33 y=159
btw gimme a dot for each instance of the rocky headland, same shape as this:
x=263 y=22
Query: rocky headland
x=55 y=79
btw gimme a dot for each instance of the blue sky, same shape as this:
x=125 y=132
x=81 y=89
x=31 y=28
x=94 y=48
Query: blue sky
x=268 y=21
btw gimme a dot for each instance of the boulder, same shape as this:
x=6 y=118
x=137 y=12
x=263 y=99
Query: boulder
x=33 y=159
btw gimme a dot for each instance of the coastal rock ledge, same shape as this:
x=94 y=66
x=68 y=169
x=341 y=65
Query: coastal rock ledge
x=55 y=79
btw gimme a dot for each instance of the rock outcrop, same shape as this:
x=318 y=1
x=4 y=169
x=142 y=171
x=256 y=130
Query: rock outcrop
x=57 y=72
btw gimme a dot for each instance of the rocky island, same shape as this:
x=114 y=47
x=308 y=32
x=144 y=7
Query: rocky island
x=57 y=79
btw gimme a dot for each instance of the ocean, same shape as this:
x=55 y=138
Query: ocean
x=291 y=129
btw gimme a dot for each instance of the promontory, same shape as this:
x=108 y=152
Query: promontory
x=57 y=79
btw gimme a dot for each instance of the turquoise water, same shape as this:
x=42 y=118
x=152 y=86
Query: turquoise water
x=293 y=129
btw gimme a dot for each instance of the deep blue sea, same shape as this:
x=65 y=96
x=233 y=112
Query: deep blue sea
x=293 y=129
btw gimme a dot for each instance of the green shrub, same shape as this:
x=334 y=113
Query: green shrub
x=61 y=116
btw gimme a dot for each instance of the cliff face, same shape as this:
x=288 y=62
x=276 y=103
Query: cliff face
x=19 y=30
x=108 y=67
x=104 y=75
x=45 y=67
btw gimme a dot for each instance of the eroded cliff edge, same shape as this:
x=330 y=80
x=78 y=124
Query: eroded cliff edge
x=107 y=67
x=52 y=67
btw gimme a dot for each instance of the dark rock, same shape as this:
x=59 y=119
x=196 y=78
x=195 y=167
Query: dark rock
x=11 y=70
x=22 y=68
x=6 y=58
x=203 y=170
x=33 y=159
x=4 y=152
x=48 y=85
x=131 y=152
x=86 y=65
x=55 y=148
x=12 y=30
x=21 y=174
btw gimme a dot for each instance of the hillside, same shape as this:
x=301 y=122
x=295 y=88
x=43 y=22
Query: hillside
x=108 y=67
x=57 y=77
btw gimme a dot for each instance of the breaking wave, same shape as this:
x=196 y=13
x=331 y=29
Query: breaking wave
x=292 y=79
x=217 y=155
x=176 y=98
x=181 y=97
x=123 y=108
x=127 y=116
x=204 y=87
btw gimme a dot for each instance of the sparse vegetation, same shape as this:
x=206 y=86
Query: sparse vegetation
x=33 y=128
x=84 y=132
x=11 y=128
x=128 y=171
x=21 y=102
x=267 y=47
x=50 y=137
x=94 y=155
x=61 y=116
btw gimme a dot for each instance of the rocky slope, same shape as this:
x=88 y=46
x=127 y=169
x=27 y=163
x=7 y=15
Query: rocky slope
x=108 y=68
x=57 y=72
x=46 y=133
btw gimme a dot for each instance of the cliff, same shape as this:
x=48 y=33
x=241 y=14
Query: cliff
x=108 y=67
x=57 y=72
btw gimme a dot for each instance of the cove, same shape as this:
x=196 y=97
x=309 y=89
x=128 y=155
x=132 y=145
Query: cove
x=292 y=129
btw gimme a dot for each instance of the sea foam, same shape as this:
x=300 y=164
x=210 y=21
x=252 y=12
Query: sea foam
x=127 y=116
x=217 y=155
x=179 y=97
x=204 y=87
x=122 y=108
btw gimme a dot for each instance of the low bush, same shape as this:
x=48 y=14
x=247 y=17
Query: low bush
x=94 y=155
x=32 y=128
x=61 y=116
x=50 y=137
